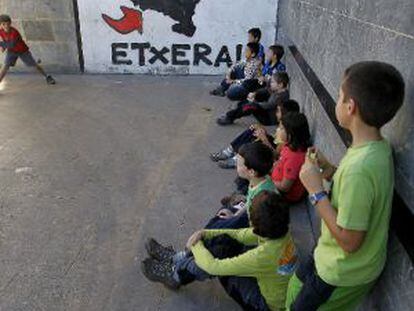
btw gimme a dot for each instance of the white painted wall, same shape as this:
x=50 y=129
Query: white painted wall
x=218 y=22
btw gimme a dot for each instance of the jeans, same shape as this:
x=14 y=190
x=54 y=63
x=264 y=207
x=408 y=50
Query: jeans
x=235 y=222
x=236 y=74
x=245 y=291
x=237 y=92
x=245 y=138
x=315 y=291
x=246 y=108
x=187 y=271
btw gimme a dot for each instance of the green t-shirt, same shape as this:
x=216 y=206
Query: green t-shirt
x=362 y=194
x=271 y=262
x=267 y=184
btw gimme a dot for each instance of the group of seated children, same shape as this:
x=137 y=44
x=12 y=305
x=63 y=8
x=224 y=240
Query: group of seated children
x=247 y=244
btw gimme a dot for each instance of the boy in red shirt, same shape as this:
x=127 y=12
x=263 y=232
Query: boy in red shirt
x=11 y=41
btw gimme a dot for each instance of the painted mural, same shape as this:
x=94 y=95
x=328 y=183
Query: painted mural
x=168 y=36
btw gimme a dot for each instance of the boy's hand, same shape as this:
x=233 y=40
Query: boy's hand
x=229 y=81
x=310 y=175
x=322 y=161
x=327 y=168
x=225 y=214
x=260 y=134
x=251 y=97
x=194 y=239
x=254 y=127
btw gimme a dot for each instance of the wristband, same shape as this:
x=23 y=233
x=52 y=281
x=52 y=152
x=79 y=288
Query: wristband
x=317 y=197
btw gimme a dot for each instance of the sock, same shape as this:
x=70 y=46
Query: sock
x=228 y=151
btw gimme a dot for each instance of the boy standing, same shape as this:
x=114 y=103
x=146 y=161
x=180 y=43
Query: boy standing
x=351 y=251
x=15 y=47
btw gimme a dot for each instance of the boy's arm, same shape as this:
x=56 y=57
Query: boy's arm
x=349 y=240
x=7 y=44
x=248 y=264
x=291 y=170
x=355 y=218
x=244 y=236
x=284 y=185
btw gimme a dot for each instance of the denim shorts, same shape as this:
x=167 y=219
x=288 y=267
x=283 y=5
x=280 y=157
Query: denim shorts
x=26 y=57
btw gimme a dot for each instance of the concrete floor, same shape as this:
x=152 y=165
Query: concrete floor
x=89 y=169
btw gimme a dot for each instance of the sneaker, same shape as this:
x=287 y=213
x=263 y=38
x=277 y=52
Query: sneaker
x=219 y=156
x=160 y=272
x=158 y=251
x=228 y=164
x=50 y=80
x=218 y=92
x=223 y=120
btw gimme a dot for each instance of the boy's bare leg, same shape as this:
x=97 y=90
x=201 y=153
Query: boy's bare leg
x=49 y=78
x=3 y=72
x=40 y=69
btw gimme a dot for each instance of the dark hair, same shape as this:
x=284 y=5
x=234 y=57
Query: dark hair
x=254 y=47
x=269 y=215
x=257 y=157
x=289 y=105
x=256 y=33
x=278 y=50
x=377 y=88
x=5 y=18
x=281 y=77
x=297 y=130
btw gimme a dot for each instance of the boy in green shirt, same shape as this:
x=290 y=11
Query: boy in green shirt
x=254 y=163
x=351 y=251
x=257 y=277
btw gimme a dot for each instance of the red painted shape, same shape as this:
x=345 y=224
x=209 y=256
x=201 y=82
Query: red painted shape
x=131 y=21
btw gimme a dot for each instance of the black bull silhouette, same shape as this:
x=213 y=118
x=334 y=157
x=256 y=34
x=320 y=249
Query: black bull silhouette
x=181 y=11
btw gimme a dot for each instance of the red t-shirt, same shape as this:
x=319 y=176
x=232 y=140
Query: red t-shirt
x=288 y=167
x=14 y=35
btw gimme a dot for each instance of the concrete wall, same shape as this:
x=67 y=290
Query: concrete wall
x=126 y=36
x=49 y=28
x=331 y=35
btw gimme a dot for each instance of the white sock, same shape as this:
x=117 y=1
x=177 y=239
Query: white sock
x=228 y=151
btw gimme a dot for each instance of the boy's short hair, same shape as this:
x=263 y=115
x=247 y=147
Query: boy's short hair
x=278 y=50
x=269 y=215
x=281 y=77
x=257 y=157
x=377 y=88
x=289 y=105
x=297 y=129
x=256 y=33
x=254 y=47
x=4 y=18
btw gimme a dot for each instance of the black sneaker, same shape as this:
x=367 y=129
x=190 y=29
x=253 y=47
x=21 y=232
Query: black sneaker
x=223 y=120
x=158 y=251
x=218 y=92
x=228 y=164
x=50 y=80
x=160 y=272
x=219 y=156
